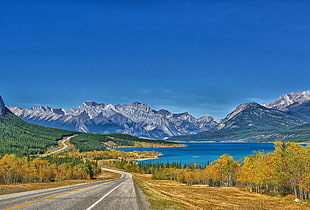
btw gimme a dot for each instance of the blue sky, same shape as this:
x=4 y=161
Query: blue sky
x=203 y=57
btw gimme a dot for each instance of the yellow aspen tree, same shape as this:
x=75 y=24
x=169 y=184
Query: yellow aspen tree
x=257 y=172
x=41 y=170
x=228 y=169
x=292 y=168
x=10 y=169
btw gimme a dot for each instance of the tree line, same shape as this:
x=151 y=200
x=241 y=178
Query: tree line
x=85 y=142
x=62 y=166
x=14 y=169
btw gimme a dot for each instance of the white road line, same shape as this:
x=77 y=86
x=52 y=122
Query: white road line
x=92 y=206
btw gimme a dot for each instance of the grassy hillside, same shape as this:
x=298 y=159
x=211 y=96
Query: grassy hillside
x=21 y=138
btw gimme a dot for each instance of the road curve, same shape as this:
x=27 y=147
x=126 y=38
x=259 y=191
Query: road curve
x=61 y=149
x=118 y=194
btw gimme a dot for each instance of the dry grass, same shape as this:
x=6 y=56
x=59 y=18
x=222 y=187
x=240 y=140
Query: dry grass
x=173 y=195
x=15 y=188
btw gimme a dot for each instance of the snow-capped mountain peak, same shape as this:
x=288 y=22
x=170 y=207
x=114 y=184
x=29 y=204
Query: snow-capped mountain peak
x=287 y=100
x=136 y=119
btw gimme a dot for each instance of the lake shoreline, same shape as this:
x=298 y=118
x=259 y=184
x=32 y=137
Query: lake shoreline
x=164 y=146
x=202 y=152
x=236 y=141
x=143 y=159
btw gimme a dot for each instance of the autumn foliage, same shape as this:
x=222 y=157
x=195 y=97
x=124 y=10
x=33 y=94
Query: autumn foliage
x=63 y=166
x=15 y=169
x=282 y=172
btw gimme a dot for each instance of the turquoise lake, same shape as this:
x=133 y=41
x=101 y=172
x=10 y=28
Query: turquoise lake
x=203 y=152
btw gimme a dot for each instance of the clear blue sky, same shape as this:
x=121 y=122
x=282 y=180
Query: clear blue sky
x=203 y=57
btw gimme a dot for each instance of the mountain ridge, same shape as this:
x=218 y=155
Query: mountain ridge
x=249 y=120
x=253 y=122
x=136 y=119
x=285 y=101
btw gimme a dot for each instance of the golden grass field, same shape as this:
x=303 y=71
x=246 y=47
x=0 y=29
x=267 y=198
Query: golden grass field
x=165 y=194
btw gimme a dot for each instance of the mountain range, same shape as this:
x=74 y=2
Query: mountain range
x=136 y=119
x=22 y=138
x=285 y=119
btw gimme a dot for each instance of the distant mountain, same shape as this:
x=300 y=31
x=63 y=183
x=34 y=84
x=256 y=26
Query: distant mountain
x=286 y=101
x=256 y=116
x=135 y=119
x=294 y=104
x=22 y=138
x=248 y=122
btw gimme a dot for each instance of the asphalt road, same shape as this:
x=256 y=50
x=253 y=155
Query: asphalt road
x=115 y=194
x=64 y=146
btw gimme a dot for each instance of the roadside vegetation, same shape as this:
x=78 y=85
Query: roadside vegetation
x=172 y=195
x=15 y=169
x=72 y=165
x=286 y=171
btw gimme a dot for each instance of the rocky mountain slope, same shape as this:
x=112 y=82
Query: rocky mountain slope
x=256 y=116
x=294 y=104
x=248 y=122
x=135 y=119
x=284 y=102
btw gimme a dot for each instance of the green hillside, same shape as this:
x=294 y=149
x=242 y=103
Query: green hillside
x=21 y=138
x=297 y=134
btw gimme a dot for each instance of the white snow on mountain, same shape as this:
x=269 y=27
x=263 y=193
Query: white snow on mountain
x=287 y=100
x=136 y=119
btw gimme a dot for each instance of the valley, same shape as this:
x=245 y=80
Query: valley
x=34 y=153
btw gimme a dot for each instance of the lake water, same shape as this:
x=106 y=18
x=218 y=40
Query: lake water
x=203 y=152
